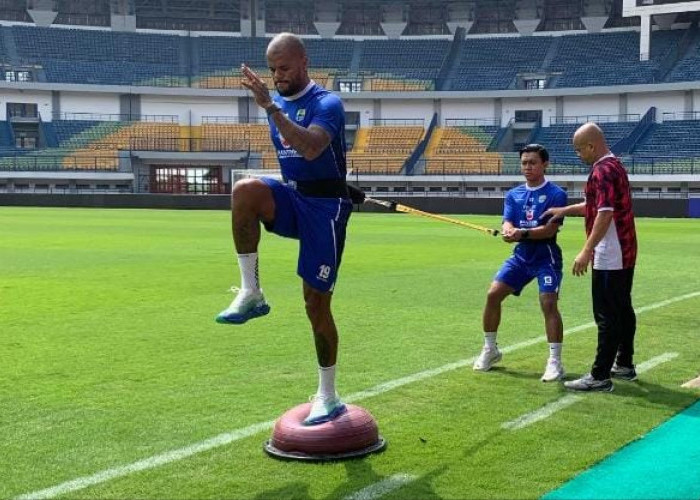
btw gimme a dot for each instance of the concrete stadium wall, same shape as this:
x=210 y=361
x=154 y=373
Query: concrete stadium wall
x=446 y=205
x=191 y=104
x=83 y=102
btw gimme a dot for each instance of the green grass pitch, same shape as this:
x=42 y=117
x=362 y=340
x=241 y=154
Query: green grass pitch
x=109 y=354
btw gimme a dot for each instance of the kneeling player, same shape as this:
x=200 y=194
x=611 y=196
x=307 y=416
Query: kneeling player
x=536 y=255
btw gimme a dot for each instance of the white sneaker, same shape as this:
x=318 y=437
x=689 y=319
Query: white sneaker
x=553 y=371
x=487 y=359
x=324 y=409
x=248 y=304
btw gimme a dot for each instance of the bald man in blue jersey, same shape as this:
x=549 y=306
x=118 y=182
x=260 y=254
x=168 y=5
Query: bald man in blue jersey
x=311 y=204
x=536 y=256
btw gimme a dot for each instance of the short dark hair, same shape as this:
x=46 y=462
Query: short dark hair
x=536 y=148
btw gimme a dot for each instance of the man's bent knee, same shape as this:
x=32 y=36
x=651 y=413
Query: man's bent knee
x=498 y=292
x=245 y=189
x=255 y=195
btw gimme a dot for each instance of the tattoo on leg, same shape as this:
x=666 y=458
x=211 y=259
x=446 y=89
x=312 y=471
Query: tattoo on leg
x=246 y=237
x=326 y=348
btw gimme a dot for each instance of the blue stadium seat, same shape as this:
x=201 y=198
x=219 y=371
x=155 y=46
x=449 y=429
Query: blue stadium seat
x=99 y=57
x=494 y=63
x=3 y=52
x=688 y=68
x=557 y=139
x=416 y=59
x=610 y=58
x=678 y=138
x=226 y=54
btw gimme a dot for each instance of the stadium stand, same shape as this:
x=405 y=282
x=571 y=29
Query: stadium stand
x=83 y=12
x=188 y=15
x=426 y=19
x=678 y=138
x=615 y=19
x=297 y=17
x=221 y=57
x=569 y=61
x=462 y=150
x=494 y=16
x=474 y=63
x=557 y=139
x=217 y=53
x=330 y=53
x=231 y=79
x=412 y=59
x=609 y=58
x=561 y=15
x=101 y=57
x=12 y=10
x=361 y=19
x=89 y=144
x=383 y=148
x=75 y=134
x=3 y=51
x=115 y=136
x=494 y=63
x=236 y=137
x=688 y=68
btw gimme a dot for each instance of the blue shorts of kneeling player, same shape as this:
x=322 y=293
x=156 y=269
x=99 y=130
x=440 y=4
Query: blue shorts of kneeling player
x=319 y=224
x=516 y=273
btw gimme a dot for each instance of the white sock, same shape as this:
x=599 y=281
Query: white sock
x=490 y=340
x=326 y=381
x=248 y=264
x=555 y=350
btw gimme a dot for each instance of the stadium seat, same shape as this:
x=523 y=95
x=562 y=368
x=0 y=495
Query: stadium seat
x=462 y=150
x=383 y=148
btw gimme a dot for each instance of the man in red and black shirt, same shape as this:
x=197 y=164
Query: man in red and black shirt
x=611 y=245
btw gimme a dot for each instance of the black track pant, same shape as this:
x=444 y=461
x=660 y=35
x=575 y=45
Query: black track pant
x=614 y=315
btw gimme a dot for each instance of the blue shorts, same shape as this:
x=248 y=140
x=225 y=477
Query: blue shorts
x=319 y=224
x=516 y=274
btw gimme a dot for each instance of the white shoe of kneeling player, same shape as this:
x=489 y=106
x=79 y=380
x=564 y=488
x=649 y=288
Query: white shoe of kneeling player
x=554 y=371
x=487 y=358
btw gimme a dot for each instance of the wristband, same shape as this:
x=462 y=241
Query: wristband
x=272 y=109
x=524 y=234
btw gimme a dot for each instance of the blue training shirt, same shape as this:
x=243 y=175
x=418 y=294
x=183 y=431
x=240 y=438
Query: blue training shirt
x=523 y=208
x=312 y=106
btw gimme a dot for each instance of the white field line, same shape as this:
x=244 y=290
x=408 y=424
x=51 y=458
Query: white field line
x=381 y=488
x=692 y=384
x=229 y=437
x=654 y=362
x=541 y=413
x=565 y=401
x=149 y=463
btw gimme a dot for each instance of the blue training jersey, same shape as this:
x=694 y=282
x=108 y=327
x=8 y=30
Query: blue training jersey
x=523 y=208
x=312 y=106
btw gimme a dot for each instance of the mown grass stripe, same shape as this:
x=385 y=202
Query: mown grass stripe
x=565 y=401
x=230 y=437
x=381 y=488
x=541 y=413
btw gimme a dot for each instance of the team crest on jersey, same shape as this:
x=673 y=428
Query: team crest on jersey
x=529 y=214
x=301 y=113
x=542 y=198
